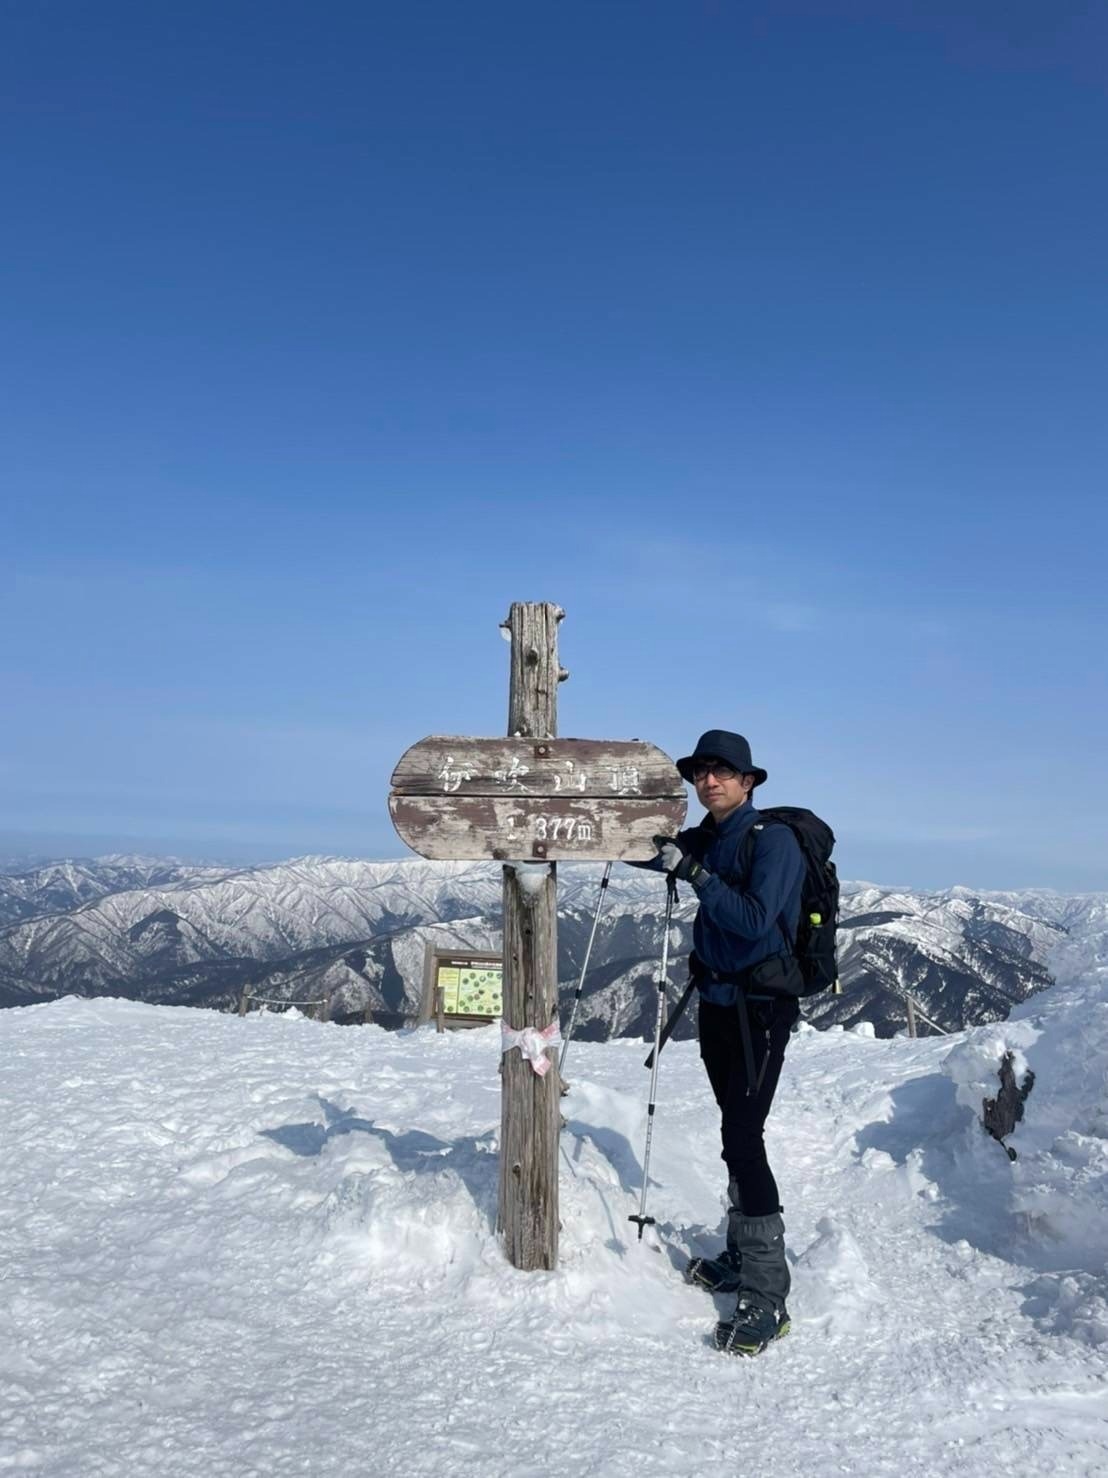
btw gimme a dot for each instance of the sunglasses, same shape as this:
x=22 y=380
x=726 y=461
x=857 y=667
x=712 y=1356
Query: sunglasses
x=716 y=768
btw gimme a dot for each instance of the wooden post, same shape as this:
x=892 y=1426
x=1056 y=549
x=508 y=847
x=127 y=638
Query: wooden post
x=911 y=1016
x=529 y=1108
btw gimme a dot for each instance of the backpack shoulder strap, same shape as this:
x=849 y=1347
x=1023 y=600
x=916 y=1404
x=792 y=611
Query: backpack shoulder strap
x=746 y=852
x=746 y=865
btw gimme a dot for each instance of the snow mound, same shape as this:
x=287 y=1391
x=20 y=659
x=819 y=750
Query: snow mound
x=1058 y=1185
x=833 y=1282
x=1049 y=1207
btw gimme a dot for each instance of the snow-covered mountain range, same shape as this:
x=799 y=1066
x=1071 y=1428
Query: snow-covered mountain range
x=58 y=887
x=358 y=931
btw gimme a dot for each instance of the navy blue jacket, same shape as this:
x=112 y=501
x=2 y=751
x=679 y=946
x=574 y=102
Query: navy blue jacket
x=737 y=927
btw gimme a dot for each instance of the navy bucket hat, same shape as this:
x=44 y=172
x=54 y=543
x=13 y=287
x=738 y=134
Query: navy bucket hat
x=721 y=744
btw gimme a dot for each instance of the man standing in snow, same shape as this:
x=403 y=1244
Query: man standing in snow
x=747 y=877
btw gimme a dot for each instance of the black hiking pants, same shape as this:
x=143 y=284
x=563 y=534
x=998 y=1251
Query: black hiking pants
x=743 y=1114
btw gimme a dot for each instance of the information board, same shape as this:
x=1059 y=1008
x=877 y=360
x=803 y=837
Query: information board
x=464 y=988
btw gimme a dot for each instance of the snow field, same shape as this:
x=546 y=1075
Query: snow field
x=265 y=1246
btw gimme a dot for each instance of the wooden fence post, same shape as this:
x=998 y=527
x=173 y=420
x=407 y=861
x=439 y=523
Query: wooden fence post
x=529 y=1108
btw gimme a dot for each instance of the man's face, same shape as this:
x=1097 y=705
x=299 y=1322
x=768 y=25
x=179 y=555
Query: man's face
x=720 y=788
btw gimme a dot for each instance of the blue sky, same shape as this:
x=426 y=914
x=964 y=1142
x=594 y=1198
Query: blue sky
x=770 y=340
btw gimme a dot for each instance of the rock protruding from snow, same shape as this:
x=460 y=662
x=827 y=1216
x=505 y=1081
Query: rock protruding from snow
x=1001 y=1114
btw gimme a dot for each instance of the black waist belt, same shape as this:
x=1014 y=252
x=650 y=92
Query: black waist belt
x=720 y=977
x=776 y=975
x=743 y=979
x=760 y=973
x=740 y=978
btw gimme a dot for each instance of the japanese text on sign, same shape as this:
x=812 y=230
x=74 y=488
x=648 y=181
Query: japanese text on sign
x=621 y=779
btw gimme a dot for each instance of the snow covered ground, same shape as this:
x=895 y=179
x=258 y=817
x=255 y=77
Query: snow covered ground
x=264 y=1246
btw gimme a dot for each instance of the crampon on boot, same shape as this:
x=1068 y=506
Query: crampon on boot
x=722 y=1274
x=755 y=1324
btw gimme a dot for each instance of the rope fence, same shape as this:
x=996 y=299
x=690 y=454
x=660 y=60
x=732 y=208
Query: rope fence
x=248 y=998
x=323 y=1003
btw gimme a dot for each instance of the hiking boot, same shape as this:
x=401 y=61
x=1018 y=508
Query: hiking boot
x=754 y=1325
x=722 y=1274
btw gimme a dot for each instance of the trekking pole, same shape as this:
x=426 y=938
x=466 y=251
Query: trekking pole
x=642 y=1219
x=584 y=970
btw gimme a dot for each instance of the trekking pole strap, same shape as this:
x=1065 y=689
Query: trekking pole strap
x=748 y=1045
x=674 y=1017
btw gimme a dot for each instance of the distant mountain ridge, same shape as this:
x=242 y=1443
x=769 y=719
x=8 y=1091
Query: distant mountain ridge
x=357 y=931
x=59 y=887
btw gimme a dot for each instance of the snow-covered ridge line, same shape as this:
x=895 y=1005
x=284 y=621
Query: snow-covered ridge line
x=356 y=931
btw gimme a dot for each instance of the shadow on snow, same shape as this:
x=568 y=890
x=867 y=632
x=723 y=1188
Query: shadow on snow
x=414 y=1151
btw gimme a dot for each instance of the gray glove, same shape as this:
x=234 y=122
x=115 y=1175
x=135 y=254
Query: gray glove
x=679 y=864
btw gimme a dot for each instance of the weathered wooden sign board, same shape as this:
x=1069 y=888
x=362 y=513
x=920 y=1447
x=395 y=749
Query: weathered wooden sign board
x=457 y=798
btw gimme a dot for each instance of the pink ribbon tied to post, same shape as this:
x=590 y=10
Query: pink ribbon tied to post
x=532 y=1042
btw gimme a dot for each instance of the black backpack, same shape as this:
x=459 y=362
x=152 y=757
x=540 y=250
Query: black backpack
x=814 y=945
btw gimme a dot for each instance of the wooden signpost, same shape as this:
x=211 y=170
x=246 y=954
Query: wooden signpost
x=533 y=798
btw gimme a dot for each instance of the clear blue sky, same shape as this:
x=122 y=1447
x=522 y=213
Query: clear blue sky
x=771 y=340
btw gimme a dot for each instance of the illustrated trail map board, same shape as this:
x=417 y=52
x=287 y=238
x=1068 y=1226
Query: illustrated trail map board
x=463 y=989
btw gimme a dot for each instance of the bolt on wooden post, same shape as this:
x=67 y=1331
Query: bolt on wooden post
x=530 y=800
